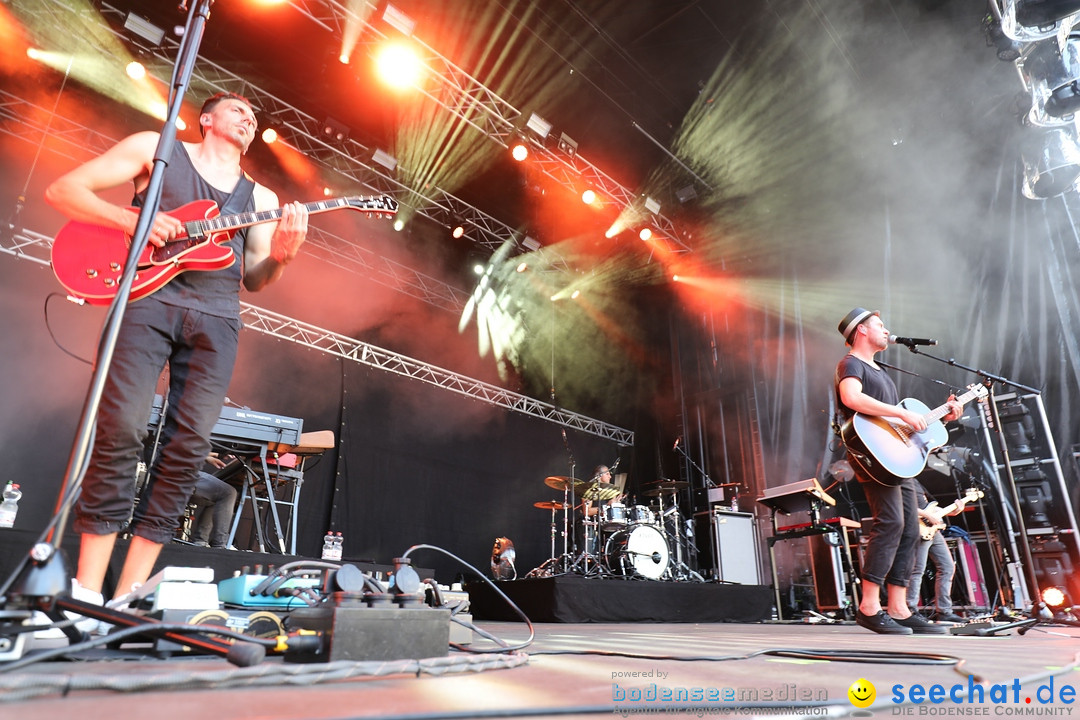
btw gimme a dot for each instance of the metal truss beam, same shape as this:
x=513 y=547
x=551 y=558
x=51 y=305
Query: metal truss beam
x=349 y=348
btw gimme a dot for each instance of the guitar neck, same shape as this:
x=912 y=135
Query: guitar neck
x=228 y=223
x=943 y=409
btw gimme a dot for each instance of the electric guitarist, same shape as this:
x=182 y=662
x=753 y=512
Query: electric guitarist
x=932 y=546
x=862 y=386
x=192 y=323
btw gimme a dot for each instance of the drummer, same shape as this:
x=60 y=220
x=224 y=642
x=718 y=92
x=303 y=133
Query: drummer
x=602 y=474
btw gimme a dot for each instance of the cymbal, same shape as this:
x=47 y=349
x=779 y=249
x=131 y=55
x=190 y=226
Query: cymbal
x=663 y=486
x=670 y=484
x=729 y=485
x=558 y=482
x=550 y=505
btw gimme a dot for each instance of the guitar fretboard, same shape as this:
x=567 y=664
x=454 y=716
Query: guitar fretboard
x=225 y=223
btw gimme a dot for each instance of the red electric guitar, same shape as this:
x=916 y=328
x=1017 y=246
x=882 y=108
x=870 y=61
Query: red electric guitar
x=88 y=260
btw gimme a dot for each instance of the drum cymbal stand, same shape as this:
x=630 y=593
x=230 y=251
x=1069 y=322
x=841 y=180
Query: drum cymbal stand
x=679 y=570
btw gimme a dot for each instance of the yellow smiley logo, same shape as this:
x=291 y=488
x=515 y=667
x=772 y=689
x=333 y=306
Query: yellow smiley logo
x=862 y=693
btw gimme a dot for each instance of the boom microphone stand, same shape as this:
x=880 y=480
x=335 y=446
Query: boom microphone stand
x=42 y=581
x=1038 y=612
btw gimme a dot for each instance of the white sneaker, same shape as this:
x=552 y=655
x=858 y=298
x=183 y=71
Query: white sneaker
x=86 y=624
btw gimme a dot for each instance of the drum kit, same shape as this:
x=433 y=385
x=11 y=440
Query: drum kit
x=632 y=541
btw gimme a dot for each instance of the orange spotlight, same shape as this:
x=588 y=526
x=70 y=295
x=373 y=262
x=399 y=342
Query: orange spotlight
x=398 y=65
x=33 y=53
x=327 y=192
x=344 y=58
x=458 y=231
x=575 y=295
x=645 y=234
x=675 y=278
x=519 y=151
x=269 y=136
x=588 y=197
x=522 y=267
x=135 y=70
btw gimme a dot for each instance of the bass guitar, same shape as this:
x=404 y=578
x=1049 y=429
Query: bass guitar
x=88 y=260
x=888 y=449
x=928 y=529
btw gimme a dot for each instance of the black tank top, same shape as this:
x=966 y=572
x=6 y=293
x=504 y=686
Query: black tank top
x=216 y=292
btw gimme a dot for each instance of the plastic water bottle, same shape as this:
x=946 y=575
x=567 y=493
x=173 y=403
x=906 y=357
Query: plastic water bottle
x=339 y=543
x=328 y=546
x=10 y=506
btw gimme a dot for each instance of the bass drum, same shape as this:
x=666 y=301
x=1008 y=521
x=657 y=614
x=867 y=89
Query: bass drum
x=640 y=550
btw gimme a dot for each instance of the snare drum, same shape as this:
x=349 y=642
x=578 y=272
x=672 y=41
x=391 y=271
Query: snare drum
x=642 y=515
x=612 y=516
x=637 y=550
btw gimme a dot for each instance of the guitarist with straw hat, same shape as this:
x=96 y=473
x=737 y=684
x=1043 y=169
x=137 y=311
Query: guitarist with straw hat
x=192 y=323
x=863 y=387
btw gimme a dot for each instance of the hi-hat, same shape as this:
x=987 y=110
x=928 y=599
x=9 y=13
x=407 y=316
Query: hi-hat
x=559 y=482
x=550 y=505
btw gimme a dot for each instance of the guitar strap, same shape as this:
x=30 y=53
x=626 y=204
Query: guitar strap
x=240 y=196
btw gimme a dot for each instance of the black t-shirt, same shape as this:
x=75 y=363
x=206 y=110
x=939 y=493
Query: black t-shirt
x=875 y=382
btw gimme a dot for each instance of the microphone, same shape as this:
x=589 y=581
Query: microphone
x=910 y=342
x=677 y=441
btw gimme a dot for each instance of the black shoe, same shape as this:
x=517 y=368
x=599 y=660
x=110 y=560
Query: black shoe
x=948 y=617
x=881 y=623
x=921 y=626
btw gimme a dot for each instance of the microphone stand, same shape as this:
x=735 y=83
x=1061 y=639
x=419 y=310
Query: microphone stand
x=41 y=580
x=1038 y=612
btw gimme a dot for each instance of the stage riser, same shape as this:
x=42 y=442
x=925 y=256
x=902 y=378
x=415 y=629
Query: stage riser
x=573 y=599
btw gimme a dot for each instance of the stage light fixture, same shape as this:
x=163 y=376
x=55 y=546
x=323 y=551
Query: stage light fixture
x=1050 y=72
x=575 y=295
x=686 y=194
x=503 y=556
x=399 y=225
x=269 y=136
x=522 y=266
x=327 y=192
x=135 y=70
x=645 y=234
x=567 y=145
x=143 y=28
x=530 y=243
x=457 y=232
x=1042 y=13
x=1054 y=597
x=385 y=159
x=398 y=20
x=538 y=125
x=1051 y=164
x=478 y=268
x=652 y=205
x=1008 y=49
x=519 y=151
x=335 y=130
x=588 y=197
x=398 y=66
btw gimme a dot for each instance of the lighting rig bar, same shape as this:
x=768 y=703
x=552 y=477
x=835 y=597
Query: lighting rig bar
x=348 y=348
